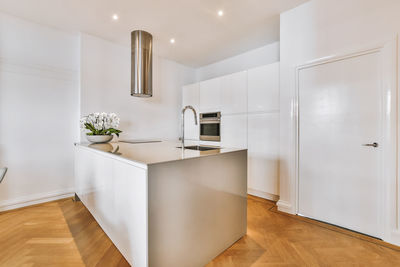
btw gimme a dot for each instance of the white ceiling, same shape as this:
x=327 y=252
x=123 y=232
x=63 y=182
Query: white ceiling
x=202 y=37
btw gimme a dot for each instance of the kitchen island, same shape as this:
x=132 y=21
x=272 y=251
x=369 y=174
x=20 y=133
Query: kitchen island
x=162 y=205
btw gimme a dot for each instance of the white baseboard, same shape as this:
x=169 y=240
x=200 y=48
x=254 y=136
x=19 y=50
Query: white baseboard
x=285 y=207
x=393 y=237
x=35 y=199
x=262 y=194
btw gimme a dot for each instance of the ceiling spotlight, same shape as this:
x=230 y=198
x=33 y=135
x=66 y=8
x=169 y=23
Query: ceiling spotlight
x=115 y=17
x=220 y=13
x=172 y=41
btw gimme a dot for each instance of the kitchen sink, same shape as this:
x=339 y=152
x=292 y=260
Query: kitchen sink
x=200 y=148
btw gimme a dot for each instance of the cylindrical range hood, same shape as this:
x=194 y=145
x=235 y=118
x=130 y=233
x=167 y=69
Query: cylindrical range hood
x=141 y=64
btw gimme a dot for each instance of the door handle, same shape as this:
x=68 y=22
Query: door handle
x=373 y=144
x=2 y=173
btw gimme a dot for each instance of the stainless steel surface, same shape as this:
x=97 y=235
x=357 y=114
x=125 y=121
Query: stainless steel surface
x=141 y=64
x=210 y=138
x=183 y=121
x=146 y=154
x=211 y=116
x=3 y=172
x=209 y=119
x=373 y=144
x=133 y=141
x=200 y=148
x=197 y=209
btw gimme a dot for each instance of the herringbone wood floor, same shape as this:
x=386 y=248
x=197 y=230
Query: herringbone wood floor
x=63 y=233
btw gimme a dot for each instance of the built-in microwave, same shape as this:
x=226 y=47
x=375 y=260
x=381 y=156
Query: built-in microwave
x=210 y=126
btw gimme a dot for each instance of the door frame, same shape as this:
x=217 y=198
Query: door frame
x=389 y=186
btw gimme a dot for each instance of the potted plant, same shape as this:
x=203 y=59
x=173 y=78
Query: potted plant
x=101 y=126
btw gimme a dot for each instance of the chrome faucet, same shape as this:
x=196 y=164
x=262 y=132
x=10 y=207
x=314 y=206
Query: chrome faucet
x=183 y=122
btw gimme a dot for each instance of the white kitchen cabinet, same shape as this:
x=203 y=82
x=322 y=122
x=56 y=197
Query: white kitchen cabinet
x=115 y=193
x=263 y=88
x=234 y=93
x=190 y=96
x=263 y=153
x=234 y=131
x=210 y=95
x=249 y=105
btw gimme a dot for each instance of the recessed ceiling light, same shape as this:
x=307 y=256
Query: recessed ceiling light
x=220 y=13
x=115 y=17
x=172 y=41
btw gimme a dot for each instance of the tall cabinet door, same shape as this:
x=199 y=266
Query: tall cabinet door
x=263 y=87
x=234 y=93
x=263 y=152
x=234 y=110
x=210 y=95
x=234 y=131
x=190 y=96
x=263 y=130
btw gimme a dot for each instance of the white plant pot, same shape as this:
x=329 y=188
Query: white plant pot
x=98 y=139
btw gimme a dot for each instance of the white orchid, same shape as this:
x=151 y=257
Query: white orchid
x=101 y=123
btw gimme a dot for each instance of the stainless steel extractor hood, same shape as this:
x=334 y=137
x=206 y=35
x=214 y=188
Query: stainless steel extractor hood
x=141 y=64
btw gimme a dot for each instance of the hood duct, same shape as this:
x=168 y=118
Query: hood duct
x=141 y=64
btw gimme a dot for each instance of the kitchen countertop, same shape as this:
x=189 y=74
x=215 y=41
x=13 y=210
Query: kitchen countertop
x=154 y=152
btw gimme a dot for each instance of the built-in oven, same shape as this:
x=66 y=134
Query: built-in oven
x=210 y=126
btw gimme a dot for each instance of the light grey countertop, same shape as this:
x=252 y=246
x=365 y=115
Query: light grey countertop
x=152 y=153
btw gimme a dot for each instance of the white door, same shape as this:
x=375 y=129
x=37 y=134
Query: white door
x=339 y=111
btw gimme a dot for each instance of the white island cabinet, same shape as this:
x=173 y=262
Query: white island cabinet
x=163 y=206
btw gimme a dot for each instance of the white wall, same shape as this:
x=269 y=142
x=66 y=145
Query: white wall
x=318 y=29
x=39 y=102
x=254 y=58
x=105 y=86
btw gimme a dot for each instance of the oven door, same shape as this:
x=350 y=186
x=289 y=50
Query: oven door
x=210 y=131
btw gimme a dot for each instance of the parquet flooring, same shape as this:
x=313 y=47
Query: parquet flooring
x=278 y=239
x=59 y=233
x=63 y=233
